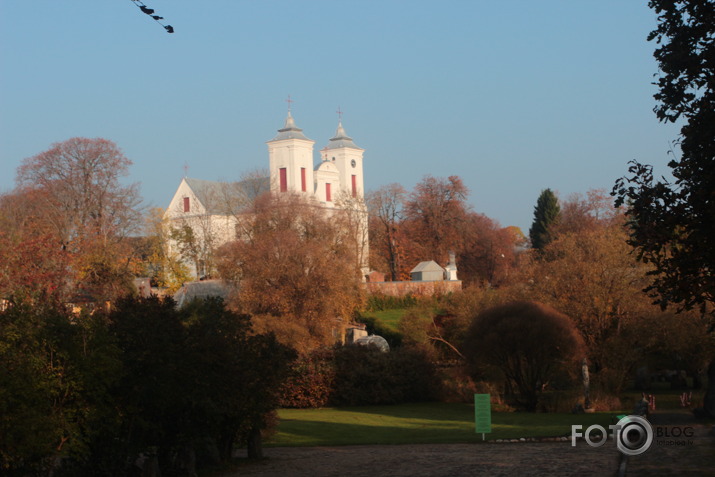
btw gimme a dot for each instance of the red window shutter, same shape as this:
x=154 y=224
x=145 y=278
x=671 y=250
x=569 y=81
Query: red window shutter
x=284 y=179
x=354 y=185
x=302 y=179
x=328 y=198
x=187 y=204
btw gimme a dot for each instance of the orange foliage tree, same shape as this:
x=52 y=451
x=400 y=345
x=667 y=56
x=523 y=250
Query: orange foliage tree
x=85 y=212
x=32 y=261
x=435 y=214
x=295 y=269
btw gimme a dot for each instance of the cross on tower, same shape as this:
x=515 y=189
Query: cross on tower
x=186 y=169
x=340 y=114
x=290 y=102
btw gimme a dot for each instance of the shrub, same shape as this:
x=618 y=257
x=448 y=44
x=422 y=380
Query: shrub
x=379 y=302
x=532 y=344
x=364 y=376
x=310 y=381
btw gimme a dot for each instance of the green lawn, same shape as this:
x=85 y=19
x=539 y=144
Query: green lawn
x=414 y=424
x=389 y=318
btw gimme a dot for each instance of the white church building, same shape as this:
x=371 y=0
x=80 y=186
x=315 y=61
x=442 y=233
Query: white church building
x=210 y=208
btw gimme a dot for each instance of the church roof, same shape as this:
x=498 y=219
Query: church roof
x=341 y=139
x=216 y=196
x=290 y=131
x=327 y=167
x=428 y=266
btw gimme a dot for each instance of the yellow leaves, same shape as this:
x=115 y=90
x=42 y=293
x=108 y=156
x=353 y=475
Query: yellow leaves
x=297 y=266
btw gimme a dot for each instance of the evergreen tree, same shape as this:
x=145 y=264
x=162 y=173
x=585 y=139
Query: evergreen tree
x=546 y=214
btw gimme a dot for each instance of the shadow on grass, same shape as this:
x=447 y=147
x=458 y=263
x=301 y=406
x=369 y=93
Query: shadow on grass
x=436 y=411
x=415 y=424
x=318 y=433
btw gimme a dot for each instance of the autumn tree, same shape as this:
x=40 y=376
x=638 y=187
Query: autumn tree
x=587 y=212
x=235 y=198
x=33 y=264
x=592 y=278
x=354 y=220
x=156 y=259
x=671 y=224
x=435 y=212
x=296 y=270
x=546 y=214
x=490 y=253
x=530 y=343
x=91 y=212
x=386 y=214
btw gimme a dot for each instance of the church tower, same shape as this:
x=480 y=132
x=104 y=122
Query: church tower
x=347 y=158
x=290 y=158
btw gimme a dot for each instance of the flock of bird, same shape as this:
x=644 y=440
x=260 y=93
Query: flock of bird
x=150 y=12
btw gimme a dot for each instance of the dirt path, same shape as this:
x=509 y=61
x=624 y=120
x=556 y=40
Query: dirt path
x=448 y=460
x=680 y=447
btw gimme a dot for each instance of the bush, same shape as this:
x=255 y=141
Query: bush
x=364 y=376
x=310 y=381
x=378 y=302
x=534 y=346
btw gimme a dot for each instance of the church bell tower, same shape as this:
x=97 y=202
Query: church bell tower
x=347 y=157
x=290 y=158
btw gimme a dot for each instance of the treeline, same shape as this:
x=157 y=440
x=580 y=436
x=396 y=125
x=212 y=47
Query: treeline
x=587 y=276
x=98 y=394
x=435 y=218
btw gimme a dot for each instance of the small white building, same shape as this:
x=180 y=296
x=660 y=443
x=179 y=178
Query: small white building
x=427 y=272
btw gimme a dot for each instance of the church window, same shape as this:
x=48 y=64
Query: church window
x=187 y=204
x=354 y=185
x=303 y=186
x=328 y=197
x=284 y=179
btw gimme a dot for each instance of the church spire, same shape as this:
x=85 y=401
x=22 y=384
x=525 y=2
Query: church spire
x=290 y=130
x=341 y=139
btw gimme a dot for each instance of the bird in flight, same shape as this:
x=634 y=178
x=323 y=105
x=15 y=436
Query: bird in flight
x=150 y=12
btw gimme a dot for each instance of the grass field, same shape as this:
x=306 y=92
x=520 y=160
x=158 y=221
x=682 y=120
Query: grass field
x=389 y=318
x=415 y=424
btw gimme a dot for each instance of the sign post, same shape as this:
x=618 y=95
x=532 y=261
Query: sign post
x=482 y=414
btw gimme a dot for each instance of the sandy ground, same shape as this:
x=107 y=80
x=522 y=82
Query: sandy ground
x=670 y=456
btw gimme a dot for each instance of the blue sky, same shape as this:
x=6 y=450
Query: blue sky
x=512 y=96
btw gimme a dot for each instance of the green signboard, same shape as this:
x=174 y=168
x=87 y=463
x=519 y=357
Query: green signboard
x=482 y=414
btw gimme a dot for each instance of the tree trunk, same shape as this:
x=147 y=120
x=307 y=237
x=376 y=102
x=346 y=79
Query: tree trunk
x=255 y=445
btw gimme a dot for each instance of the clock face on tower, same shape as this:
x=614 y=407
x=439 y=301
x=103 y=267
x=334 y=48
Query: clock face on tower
x=352 y=163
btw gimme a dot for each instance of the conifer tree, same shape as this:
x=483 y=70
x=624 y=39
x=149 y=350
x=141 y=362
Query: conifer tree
x=546 y=214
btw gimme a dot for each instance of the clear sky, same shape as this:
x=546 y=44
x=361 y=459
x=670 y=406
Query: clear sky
x=512 y=96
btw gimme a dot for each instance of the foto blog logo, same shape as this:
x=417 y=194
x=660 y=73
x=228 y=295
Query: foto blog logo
x=633 y=435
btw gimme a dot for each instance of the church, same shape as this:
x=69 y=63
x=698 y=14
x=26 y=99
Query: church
x=209 y=208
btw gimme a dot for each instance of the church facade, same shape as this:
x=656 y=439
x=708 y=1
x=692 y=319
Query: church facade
x=210 y=208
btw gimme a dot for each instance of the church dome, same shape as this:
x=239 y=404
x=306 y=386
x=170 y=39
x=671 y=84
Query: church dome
x=290 y=131
x=341 y=139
